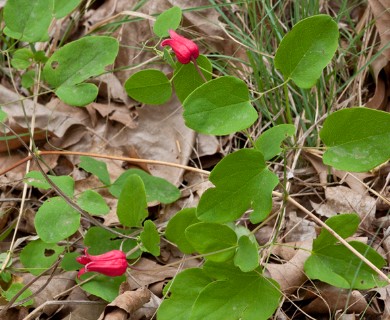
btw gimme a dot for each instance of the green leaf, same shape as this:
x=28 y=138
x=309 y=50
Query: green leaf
x=150 y=238
x=69 y=262
x=149 y=86
x=247 y=295
x=28 y=79
x=169 y=19
x=64 y=183
x=28 y=20
x=99 y=241
x=93 y=202
x=269 y=141
x=56 y=220
x=247 y=257
x=96 y=167
x=38 y=256
x=333 y=263
x=3 y=258
x=78 y=95
x=3 y=115
x=22 y=59
x=157 y=189
x=132 y=205
x=76 y=62
x=306 y=50
x=242 y=180
x=177 y=226
x=219 y=107
x=6 y=276
x=13 y=290
x=339 y=267
x=357 y=139
x=182 y=295
x=186 y=78
x=64 y=7
x=212 y=237
x=103 y=286
x=344 y=224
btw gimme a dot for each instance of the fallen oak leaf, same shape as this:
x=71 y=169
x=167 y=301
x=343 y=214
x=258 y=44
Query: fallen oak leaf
x=125 y=304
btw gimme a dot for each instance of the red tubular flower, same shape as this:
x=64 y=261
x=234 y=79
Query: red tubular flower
x=185 y=49
x=112 y=263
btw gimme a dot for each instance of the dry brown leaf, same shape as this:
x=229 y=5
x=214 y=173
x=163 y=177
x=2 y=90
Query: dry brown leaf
x=290 y=275
x=330 y=299
x=125 y=304
x=381 y=66
x=384 y=295
x=299 y=229
x=341 y=199
x=81 y=311
x=380 y=9
x=56 y=285
x=148 y=272
x=381 y=73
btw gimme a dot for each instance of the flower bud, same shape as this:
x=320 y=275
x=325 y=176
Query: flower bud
x=184 y=49
x=112 y=263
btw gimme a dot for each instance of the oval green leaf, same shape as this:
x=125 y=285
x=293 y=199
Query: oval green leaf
x=219 y=107
x=64 y=183
x=357 y=139
x=157 y=189
x=150 y=238
x=132 y=205
x=176 y=227
x=93 y=202
x=169 y=19
x=22 y=59
x=247 y=257
x=99 y=241
x=102 y=286
x=269 y=142
x=56 y=220
x=96 y=167
x=186 y=78
x=78 y=95
x=28 y=20
x=207 y=238
x=76 y=62
x=149 y=86
x=64 y=7
x=306 y=50
x=242 y=180
x=38 y=256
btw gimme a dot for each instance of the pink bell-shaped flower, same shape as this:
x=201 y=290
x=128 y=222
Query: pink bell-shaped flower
x=112 y=263
x=184 y=49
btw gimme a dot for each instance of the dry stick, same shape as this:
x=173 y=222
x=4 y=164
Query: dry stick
x=105 y=156
x=126 y=159
x=25 y=186
x=335 y=234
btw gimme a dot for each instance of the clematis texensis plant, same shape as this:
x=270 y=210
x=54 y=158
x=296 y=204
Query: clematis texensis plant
x=112 y=263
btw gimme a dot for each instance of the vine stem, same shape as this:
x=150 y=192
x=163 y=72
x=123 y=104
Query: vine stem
x=198 y=69
x=335 y=234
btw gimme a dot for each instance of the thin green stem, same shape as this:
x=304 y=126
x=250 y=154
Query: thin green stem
x=287 y=101
x=198 y=69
